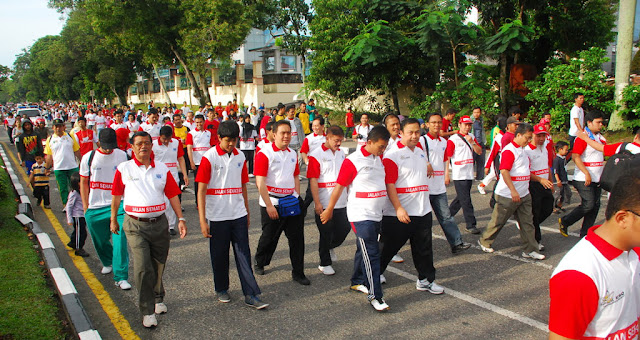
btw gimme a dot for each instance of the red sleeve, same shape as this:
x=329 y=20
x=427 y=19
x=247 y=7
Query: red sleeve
x=296 y=172
x=448 y=152
x=118 y=187
x=189 y=140
x=506 y=160
x=245 y=173
x=611 y=149
x=261 y=166
x=579 y=146
x=140 y=128
x=171 y=188
x=305 y=146
x=550 y=154
x=180 y=149
x=574 y=303
x=257 y=149
x=204 y=171
x=347 y=173
x=214 y=139
x=313 y=168
x=355 y=133
x=390 y=171
x=494 y=152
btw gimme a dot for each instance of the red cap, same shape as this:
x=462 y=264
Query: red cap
x=465 y=120
x=540 y=129
x=122 y=136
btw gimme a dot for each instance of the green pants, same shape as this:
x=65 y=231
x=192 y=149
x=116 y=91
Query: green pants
x=111 y=248
x=149 y=243
x=63 y=178
x=502 y=211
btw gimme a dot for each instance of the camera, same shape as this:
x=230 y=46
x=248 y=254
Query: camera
x=359 y=136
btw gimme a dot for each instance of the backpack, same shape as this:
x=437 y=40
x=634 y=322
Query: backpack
x=617 y=165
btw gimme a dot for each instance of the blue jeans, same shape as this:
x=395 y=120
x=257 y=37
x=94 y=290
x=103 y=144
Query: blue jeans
x=366 y=264
x=440 y=207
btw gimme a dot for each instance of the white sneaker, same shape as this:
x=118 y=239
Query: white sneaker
x=251 y=176
x=379 y=305
x=149 y=321
x=540 y=247
x=161 y=308
x=124 y=285
x=431 y=287
x=485 y=249
x=517 y=225
x=326 y=270
x=533 y=255
x=397 y=259
x=383 y=279
x=106 y=270
x=334 y=256
x=481 y=189
x=360 y=289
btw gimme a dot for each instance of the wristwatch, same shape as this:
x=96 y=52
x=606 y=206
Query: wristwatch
x=182 y=219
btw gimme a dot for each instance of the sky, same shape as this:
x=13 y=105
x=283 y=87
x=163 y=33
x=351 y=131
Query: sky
x=22 y=22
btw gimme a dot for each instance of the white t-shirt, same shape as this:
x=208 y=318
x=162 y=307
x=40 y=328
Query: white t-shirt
x=576 y=112
x=101 y=122
x=103 y=170
x=62 y=151
x=91 y=119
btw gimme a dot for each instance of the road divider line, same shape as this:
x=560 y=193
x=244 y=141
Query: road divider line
x=118 y=320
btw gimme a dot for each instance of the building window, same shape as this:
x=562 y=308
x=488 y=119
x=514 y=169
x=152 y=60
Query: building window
x=288 y=63
x=270 y=63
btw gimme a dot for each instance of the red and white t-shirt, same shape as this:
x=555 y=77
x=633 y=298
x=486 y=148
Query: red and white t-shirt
x=201 y=141
x=612 y=149
x=248 y=143
x=312 y=142
x=101 y=122
x=595 y=291
x=169 y=154
x=191 y=124
x=541 y=159
x=116 y=126
x=495 y=150
x=437 y=158
x=224 y=174
x=151 y=129
x=593 y=159
x=325 y=165
x=91 y=119
x=362 y=130
x=144 y=189
x=362 y=174
x=280 y=167
x=101 y=174
x=132 y=126
x=407 y=169
x=86 y=138
x=461 y=158
x=9 y=121
x=263 y=143
x=515 y=160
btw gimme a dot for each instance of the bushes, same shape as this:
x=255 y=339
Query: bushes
x=631 y=98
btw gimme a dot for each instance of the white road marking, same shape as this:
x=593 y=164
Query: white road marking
x=470 y=299
x=555 y=230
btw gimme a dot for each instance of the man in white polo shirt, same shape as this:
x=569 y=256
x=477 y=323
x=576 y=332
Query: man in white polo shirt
x=61 y=152
x=322 y=172
x=118 y=122
x=589 y=165
x=461 y=154
x=169 y=151
x=91 y=119
x=144 y=184
x=407 y=212
x=594 y=290
x=512 y=195
x=576 y=118
x=277 y=172
x=362 y=173
x=97 y=170
x=199 y=141
x=151 y=126
x=224 y=218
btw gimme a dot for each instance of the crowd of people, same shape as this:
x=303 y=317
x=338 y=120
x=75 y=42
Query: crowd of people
x=131 y=185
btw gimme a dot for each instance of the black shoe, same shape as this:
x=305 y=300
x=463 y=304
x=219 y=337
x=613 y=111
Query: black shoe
x=70 y=245
x=255 y=302
x=474 y=230
x=172 y=232
x=82 y=252
x=259 y=270
x=301 y=280
x=460 y=247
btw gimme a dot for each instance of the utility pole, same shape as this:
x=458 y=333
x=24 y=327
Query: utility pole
x=624 y=47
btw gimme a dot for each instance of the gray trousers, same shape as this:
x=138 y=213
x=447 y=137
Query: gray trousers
x=504 y=209
x=149 y=244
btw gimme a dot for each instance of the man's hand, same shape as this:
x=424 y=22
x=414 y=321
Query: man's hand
x=486 y=171
x=587 y=179
x=186 y=181
x=193 y=165
x=582 y=134
x=559 y=184
x=204 y=228
x=114 y=226
x=182 y=226
x=403 y=216
x=468 y=137
x=446 y=178
x=326 y=216
x=429 y=170
x=546 y=183
x=272 y=212
x=318 y=208
x=515 y=197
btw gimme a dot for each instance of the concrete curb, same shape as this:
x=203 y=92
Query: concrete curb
x=68 y=294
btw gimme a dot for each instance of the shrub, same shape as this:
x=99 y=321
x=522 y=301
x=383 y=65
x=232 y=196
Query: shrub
x=631 y=99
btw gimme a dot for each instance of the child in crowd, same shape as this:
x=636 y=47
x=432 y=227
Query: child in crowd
x=75 y=217
x=560 y=176
x=39 y=180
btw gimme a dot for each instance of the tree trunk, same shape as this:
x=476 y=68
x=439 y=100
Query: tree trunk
x=396 y=102
x=162 y=87
x=623 y=57
x=197 y=93
x=455 y=66
x=205 y=89
x=438 y=103
x=304 y=68
x=503 y=83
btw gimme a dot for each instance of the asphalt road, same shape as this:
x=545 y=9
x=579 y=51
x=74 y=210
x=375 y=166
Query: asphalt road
x=487 y=296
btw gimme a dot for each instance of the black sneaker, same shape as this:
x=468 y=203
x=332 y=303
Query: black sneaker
x=474 y=230
x=82 y=252
x=255 y=302
x=172 y=232
x=258 y=270
x=301 y=280
x=70 y=245
x=563 y=229
x=460 y=247
x=223 y=296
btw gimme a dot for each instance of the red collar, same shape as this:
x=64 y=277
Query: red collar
x=431 y=137
x=153 y=163
x=532 y=146
x=104 y=153
x=365 y=152
x=324 y=148
x=516 y=145
x=275 y=148
x=605 y=248
x=222 y=152
x=400 y=145
x=461 y=135
x=315 y=135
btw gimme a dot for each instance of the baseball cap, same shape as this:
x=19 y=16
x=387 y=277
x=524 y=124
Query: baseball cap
x=465 y=120
x=538 y=129
x=544 y=121
x=108 y=139
x=58 y=121
x=512 y=120
x=122 y=136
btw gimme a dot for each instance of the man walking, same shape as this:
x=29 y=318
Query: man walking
x=199 y=141
x=144 y=184
x=481 y=138
x=28 y=144
x=151 y=126
x=61 y=152
x=576 y=118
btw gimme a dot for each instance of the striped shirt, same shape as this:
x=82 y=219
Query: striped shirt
x=40 y=178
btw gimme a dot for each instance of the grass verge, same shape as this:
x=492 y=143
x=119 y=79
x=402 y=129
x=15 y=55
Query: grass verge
x=28 y=307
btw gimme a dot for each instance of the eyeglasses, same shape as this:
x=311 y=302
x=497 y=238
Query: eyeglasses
x=633 y=212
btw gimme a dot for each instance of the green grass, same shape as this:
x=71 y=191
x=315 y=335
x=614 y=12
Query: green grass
x=28 y=308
